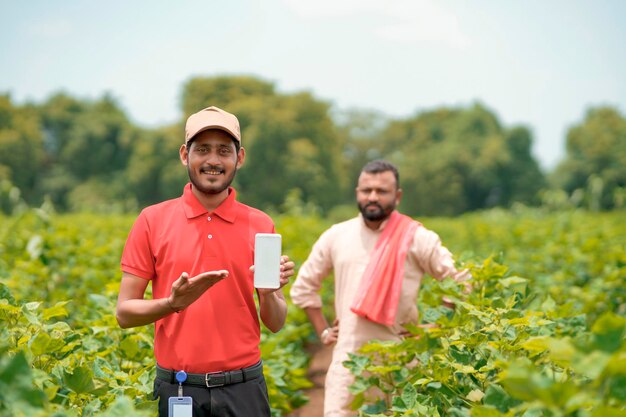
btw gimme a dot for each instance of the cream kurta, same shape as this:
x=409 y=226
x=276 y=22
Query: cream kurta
x=345 y=249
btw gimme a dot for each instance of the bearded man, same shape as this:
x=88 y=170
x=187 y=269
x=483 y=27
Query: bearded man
x=378 y=259
x=197 y=251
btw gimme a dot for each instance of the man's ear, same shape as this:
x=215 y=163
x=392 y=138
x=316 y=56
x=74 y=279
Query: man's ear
x=184 y=154
x=241 y=157
x=398 y=195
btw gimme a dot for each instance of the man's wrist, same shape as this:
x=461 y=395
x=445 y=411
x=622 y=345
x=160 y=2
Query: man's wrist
x=269 y=298
x=169 y=303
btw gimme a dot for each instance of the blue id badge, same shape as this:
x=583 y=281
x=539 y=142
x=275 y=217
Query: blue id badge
x=180 y=407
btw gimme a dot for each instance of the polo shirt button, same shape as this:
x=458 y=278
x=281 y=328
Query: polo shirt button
x=209 y=218
x=210 y=236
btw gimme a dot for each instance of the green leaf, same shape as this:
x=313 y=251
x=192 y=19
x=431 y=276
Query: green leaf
x=29 y=310
x=39 y=343
x=5 y=294
x=523 y=383
x=398 y=405
x=58 y=310
x=359 y=385
x=617 y=387
x=534 y=412
x=616 y=364
x=8 y=310
x=80 y=380
x=130 y=346
x=423 y=381
x=516 y=284
x=463 y=369
x=561 y=351
x=123 y=407
x=497 y=397
x=59 y=326
x=434 y=385
x=409 y=395
x=376 y=408
x=485 y=411
x=56 y=344
x=454 y=412
x=536 y=345
x=13 y=367
x=356 y=364
x=606 y=411
x=609 y=331
x=16 y=383
x=591 y=365
x=548 y=305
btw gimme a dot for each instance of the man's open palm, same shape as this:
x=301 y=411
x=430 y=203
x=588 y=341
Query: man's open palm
x=186 y=290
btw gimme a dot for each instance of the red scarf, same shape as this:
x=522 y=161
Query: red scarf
x=379 y=293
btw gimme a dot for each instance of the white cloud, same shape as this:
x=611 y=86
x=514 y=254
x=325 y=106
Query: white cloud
x=422 y=20
x=400 y=20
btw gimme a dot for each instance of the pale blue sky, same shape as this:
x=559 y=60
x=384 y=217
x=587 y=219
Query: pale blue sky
x=540 y=63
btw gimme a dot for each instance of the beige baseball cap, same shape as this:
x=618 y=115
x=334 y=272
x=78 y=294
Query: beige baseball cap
x=212 y=118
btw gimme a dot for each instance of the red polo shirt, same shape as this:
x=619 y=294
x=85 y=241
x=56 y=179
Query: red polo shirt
x=220 y=331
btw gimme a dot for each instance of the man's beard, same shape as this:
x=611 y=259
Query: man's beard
x=211 y=189
x=381 y=214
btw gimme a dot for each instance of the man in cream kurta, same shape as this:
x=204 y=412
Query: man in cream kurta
x=345 y=248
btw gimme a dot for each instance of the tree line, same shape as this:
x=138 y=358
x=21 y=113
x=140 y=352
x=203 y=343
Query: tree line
x=86 y=155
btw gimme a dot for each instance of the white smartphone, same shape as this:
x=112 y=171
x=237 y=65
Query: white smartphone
x=267 y=251
x=180 y=407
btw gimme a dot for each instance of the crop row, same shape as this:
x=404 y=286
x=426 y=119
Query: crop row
x=542 y=332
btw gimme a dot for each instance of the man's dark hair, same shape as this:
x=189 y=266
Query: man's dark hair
x=379 y=165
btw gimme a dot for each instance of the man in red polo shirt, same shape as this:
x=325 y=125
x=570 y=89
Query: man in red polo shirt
x=198 y=250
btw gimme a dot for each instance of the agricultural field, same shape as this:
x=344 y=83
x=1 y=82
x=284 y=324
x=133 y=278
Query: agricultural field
x=542 y=333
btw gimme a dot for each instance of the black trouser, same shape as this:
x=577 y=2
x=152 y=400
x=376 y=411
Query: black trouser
x=244 y=399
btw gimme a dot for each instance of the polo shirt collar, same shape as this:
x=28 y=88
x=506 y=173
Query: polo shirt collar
x=193 y=207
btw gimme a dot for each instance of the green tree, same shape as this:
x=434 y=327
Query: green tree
x=58 y=115
x=21 y=147
x=229 y=92
x=88 y=146
x=98 y=140
x=456 y=160
x=522 y=177
x=154 y=172
x=291 y=141
x=361 y=133
x=595 y=158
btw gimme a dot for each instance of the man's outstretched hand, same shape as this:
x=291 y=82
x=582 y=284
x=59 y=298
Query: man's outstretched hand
x=186 y=290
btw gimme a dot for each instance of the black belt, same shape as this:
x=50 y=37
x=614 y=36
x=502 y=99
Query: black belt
x=213 y=379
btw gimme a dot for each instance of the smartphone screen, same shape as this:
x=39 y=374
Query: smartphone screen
x=180 y=407
x=267 y=251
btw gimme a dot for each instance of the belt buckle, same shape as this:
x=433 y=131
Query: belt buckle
x=209 y=376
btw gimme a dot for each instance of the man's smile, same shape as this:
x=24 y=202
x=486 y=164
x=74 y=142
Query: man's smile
x=212 y=171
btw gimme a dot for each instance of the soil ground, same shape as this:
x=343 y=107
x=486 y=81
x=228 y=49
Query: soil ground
x=317 y=373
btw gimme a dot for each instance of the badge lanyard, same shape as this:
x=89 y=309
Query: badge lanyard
x=180 y=406
x=181 y=376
